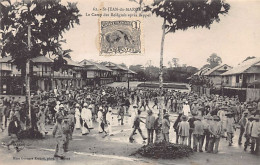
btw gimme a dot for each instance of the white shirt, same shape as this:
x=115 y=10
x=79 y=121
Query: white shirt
x=186 y=110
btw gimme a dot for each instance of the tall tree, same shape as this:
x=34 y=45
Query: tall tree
x=214 y=60
x=47 y=20
x=184 y=14
x=175 y=62
x=34 y=28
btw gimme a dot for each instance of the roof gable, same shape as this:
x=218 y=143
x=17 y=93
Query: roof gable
x=242 y=67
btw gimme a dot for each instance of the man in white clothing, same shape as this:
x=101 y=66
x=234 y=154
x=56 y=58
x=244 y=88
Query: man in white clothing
x=186 y=109
x=109 y=119
x=84 y=116
x=100 y=119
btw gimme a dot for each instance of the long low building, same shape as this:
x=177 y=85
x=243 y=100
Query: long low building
x=43 y=77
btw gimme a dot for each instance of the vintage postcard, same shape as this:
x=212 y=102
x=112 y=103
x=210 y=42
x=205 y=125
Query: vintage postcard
x=130 y=82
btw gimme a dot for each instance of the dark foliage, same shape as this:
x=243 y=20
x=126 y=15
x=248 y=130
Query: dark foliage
x=30 y=134
x=48 y=20
x=164 y=151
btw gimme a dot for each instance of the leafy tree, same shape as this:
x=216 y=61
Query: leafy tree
x=47 y=20
x=181 y=15
x=34 y=28
x=214 y=60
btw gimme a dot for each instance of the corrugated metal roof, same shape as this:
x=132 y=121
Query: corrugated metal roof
x=202 y=71
x=94 y=65
x=242 y=67
x=42 y=59
x=116 y=66
x=214 y=69
x=71 y=62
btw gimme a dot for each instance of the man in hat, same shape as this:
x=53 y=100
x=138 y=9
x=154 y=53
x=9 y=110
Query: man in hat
x=191 y=123
x=60 y=138
x=242 y=122
x=66 y=131
x=13 y=129
x=77 y=116
x=208 y=119
x=60 y=113
x=186 y=109
x=166 y=127
x=215 y=130
x=100 y=119
x=184 y=129
x=248 y=131
x=85 y=115
x=89 y=115
x=150 y=119
x=198 y=132
x=71 y=122
x=255 y=135
x=109 y=119
x=136 y=126
x=230 y=127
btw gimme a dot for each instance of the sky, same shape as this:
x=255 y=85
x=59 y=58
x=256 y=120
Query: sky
x=234 y=38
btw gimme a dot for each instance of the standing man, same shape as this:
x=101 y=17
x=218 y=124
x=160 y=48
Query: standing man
x=242 y=122
x=197 y=134
x=191 y=123
x=150 y=119
x=41 y=120
x=100 y=119
x=121 y=113
x=60 y=139
x=109 y=119
x=230 y=127
x=165 y=127
x=184 y=128
x=127 y=105
x=255 y=135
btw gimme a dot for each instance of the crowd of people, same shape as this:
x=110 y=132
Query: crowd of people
x=202 y=122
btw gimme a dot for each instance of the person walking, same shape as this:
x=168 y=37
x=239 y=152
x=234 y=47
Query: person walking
x=60 y=139
x=136 y=126
x=14 y=128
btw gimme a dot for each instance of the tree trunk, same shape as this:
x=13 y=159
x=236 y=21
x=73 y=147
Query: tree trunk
x=161 y=58
x=28 y=89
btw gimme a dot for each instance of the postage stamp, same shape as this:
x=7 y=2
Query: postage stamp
x=121 y=37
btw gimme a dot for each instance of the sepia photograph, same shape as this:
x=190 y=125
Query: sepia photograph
x=130 y=82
